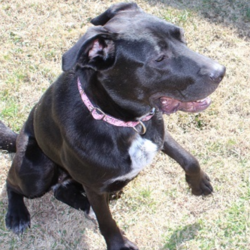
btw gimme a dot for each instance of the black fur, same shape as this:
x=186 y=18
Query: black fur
x=124 y=66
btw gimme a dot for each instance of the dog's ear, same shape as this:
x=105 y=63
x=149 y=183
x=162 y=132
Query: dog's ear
x=112 y=11
x=96 y=50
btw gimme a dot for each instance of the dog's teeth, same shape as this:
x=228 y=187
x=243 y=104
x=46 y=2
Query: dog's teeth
x=202 y=100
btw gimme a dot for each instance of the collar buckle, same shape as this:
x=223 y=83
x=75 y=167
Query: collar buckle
x=97 y=113
x=143 y=129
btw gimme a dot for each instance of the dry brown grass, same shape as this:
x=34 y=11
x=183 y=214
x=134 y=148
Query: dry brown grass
x=157 y=210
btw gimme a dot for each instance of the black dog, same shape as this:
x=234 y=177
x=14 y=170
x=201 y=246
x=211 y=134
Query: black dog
x=101 y=122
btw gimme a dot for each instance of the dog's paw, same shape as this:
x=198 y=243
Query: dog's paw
x=17 y=219
x=127 y=245
x=199 y=184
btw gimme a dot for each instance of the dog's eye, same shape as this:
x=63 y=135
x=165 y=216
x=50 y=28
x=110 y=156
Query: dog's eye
x=161 y=58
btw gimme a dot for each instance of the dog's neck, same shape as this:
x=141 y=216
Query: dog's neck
x=101 y=98
x=98 y=114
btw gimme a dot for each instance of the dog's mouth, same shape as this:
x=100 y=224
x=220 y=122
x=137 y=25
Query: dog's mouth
x=169 y=105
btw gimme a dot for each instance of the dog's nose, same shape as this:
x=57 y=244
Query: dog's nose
x=215 y=73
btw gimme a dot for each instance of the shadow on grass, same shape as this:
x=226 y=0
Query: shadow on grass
x=228 y=13
x=181 y=236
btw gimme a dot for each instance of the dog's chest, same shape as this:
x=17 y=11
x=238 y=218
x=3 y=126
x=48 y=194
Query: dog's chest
x=141 y=153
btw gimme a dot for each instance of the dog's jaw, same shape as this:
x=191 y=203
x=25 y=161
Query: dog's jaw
x=169 y=105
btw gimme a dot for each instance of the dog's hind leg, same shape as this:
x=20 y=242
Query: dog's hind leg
x=18 y=217
x=73 y=194
x=31 y=175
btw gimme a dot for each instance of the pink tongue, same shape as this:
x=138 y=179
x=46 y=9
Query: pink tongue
x=169 y=105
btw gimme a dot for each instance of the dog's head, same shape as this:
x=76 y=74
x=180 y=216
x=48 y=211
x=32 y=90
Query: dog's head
x=143 y=61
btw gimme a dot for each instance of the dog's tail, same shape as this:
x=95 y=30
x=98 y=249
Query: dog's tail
x=7 y=139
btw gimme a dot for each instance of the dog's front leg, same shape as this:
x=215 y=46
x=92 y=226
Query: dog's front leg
x=197 y=179
x=112 y=234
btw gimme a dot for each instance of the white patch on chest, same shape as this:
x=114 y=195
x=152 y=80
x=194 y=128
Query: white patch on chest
x=142 y=151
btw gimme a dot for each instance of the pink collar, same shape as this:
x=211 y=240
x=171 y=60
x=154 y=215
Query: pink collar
x=98 y=114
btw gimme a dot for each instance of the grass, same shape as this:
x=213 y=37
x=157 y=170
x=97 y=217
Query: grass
x=156 y=210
